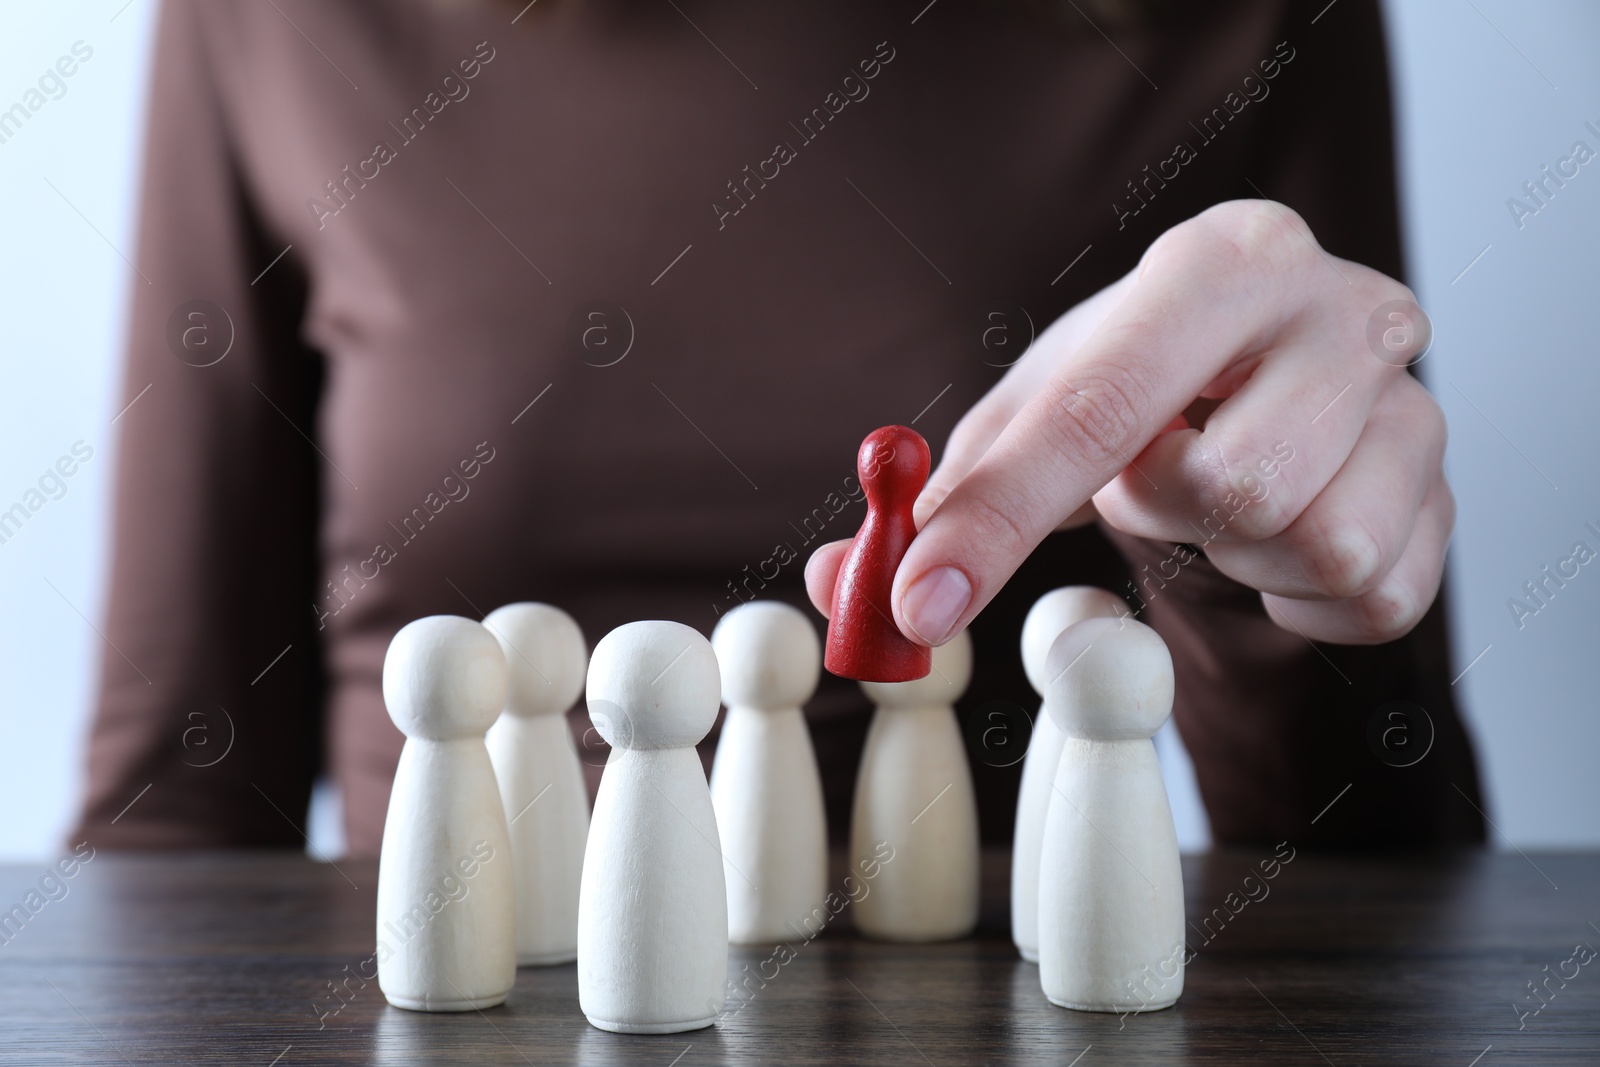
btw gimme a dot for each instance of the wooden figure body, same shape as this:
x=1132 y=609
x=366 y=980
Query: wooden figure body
x=653 y=908
x=914 y=792
x=446 y=899
x=1049 y=616
x=541 y=781
x=765 y=785
x=1111 y=923
x=863 y=641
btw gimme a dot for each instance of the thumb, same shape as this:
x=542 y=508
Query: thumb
x=822 y=570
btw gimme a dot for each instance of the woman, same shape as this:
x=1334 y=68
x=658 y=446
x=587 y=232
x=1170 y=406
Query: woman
x=591 y=303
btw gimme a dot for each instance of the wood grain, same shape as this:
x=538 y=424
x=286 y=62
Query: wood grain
x=220 y=958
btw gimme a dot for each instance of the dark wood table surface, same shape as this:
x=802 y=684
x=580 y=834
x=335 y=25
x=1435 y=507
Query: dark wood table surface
x=226 y=958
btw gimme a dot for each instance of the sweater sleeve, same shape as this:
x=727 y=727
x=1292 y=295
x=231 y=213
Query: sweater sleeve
x=1291 y=739
x=206 y=730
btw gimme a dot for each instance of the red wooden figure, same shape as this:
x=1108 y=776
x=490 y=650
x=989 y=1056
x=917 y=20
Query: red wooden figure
x=863 y=641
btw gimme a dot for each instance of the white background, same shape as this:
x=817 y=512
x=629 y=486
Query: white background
x=1513 y=364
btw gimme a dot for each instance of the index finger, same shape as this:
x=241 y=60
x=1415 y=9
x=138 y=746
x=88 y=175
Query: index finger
x=1208 y=293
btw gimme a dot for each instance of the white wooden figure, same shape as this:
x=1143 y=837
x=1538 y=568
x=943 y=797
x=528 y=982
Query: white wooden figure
x=1050 y=614
x=765 y=785
x=914 y=793
x=653 y=909
x=446 y=896
x=1111 y=933
x=541 y=782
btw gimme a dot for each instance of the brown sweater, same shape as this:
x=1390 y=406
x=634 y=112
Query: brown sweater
x=590 y=310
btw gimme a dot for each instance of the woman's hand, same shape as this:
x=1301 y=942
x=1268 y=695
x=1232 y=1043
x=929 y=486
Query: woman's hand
x=1318 y=480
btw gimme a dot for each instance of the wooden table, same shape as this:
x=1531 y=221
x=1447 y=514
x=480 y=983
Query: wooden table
x=223 y=958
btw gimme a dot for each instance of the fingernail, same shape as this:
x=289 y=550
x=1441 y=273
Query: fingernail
x=934 y=602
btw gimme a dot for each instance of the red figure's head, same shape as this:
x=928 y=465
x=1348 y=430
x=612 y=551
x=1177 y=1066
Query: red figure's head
x=893 y=464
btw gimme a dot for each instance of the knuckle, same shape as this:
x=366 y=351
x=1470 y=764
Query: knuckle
x=1373 y=287
x=933 y=494
x=1254 y=510
x=1236 y=244
x=1342 y=557
x=1447 y=507
x=929 y=501
x=1435 y=432
x=1260 y=231
x=1182 y=244
x=1389 y=611
x=1427 y=420
x=1260 y=519
x=995 y=527
x=1098 y=417
x=1369 y=310
x=1386 y=289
